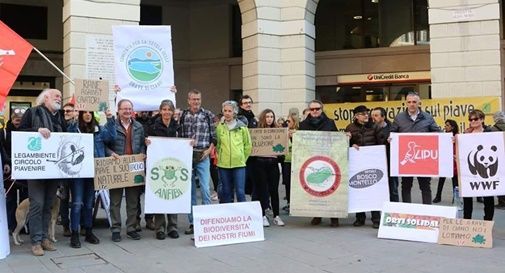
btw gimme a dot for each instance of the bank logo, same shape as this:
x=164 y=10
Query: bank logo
x=144 y=64
x=34 y=144
x=483 y=161
x=366 y=178
x=320 y=176
x=418 y=155
x=170 y=179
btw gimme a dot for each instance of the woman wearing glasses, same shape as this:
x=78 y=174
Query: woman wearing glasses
x=476 y=119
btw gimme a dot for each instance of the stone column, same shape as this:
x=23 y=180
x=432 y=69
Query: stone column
x=465 y=48
x=278 y=53
x=82 y=18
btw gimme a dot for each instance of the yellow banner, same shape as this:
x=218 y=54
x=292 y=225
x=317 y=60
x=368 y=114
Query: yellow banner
x=441 y=109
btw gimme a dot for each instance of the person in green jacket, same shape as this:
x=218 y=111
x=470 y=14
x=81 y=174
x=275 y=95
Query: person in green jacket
x=233 y=148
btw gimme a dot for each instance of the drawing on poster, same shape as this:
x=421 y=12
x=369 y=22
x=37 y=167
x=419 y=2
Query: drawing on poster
x=483 y=161
x=70 y=156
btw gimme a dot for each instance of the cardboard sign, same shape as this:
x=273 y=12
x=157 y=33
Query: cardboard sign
x=62 y=155
x=421 y=154
x=91 y=95
x=466 y=232
x=168 y=181
x=127 y=171
x=319 y=185
x=413 y=222
x=225 y=224
x=481 y=164
x=368 y=178
x=269 y=141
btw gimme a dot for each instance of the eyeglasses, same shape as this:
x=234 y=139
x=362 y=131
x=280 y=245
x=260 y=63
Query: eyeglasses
x=315 y=109
x=362 y=114
x=19 y=111
x=473 y=119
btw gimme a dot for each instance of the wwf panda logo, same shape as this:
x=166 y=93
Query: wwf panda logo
x=483 y=161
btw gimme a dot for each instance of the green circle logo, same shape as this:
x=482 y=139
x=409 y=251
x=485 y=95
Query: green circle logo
x=170 y=179
x=144 y=64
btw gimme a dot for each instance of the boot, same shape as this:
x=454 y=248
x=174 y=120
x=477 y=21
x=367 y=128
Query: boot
x=91 y=238
x=74 y=239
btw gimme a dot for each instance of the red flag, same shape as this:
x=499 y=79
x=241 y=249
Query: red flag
x=14 y=50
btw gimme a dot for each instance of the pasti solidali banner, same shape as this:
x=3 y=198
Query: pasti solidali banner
x=319 y=174
x=481 y=164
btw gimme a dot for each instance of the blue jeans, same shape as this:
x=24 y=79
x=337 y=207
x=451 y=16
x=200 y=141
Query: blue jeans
x=202 y=170
x=230 y=179
x=83 y=200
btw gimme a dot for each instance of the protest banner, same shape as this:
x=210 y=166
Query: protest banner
x=269 y=141
x=5 y=248
x=413 y=222
x=481 y=166
x=440 y=108
x=62 y=155
x=421 y=154
x=143 y=65
x=112 y=173
x=224 y=224
x=168 y=175
x=466 y=232
x=91 y=95
x=319 y=174
x=368 y=178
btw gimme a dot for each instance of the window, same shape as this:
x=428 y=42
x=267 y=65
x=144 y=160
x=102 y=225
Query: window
x=30 y=22
x=352 y=24
x=150 y=15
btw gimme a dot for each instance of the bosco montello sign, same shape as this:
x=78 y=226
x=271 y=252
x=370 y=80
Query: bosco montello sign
x=269 y=141
x=62 y=155
x=127 y=171
x=466 y=232
x=91 y=95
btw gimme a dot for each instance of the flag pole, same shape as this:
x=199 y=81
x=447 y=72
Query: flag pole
x=49 y=61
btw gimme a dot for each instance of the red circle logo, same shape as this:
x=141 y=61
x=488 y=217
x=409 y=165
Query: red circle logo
x=320 y=176
x=369 y=77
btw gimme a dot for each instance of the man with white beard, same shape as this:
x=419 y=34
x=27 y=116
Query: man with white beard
x=44 y=118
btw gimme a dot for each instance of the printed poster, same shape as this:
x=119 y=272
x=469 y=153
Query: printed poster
x=422 y=154
x=413 y=222
x=481 y=165
x=319 y=174
x=62 y=155
x=5 y=248
x=224 y=224
x=168 y=175
x=144 y=65
x=368 y=178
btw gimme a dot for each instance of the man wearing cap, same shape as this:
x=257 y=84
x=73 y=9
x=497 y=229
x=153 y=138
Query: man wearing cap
x=317 y=120
x=413 y=120
x=364 y=133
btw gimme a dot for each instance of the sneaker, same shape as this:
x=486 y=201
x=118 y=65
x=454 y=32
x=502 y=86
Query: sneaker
x=189 y=230
x=316 y=221
x=278 y=221
x=133 y=235
x=37 y=250
x=160 y=235
x=116 y=237
x=266 y=223
x=173 y=234
x=47 y=245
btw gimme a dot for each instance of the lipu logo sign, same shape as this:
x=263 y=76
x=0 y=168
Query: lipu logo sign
x=418 y=155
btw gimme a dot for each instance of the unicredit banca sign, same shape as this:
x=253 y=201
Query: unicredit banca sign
x=385 y=77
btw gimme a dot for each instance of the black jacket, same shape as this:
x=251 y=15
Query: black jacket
x=322 y=123
x=159 y=129
x=365 y=134
x=247 y=117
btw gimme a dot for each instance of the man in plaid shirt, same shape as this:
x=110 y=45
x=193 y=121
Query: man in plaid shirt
x=197 y=123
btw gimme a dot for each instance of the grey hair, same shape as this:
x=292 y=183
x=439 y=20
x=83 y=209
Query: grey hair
x=41 y=98
x=168 y=103
x=499 y=117
x=233 y=105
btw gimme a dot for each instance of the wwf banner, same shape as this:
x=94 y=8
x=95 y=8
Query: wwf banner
x=62 y=155
x=143 y=65
x=422 y=154
x=168 y=175
x=319 y=174
x=481 y=164
x=368 y=178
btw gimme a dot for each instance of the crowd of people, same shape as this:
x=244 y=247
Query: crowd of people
x=221 y=150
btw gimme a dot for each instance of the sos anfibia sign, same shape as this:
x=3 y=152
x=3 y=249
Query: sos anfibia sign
x=126 y=171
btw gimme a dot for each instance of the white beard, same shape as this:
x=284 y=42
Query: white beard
x=56 y=106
